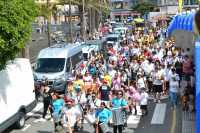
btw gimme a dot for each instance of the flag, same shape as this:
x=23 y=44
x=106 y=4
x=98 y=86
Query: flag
x=180 y=5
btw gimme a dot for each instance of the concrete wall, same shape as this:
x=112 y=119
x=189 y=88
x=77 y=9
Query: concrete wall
x=184 y=39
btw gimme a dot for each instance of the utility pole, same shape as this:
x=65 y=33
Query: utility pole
x=84 y=23
x=70 y=21
x=48 y=26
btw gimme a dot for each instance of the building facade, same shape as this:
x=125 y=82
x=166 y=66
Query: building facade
x=122 y=9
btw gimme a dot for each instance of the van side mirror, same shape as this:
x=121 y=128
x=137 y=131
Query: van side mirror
x=34 y=66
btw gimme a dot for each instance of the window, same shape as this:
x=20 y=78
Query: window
x=113 y=39
x=50 y=65
x=85 y=56
x=118 y=5
x=68 y=65
x=76 y=58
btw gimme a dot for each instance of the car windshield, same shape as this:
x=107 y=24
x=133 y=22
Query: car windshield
x=113 y=39
x=50 y=65
x=118 y=31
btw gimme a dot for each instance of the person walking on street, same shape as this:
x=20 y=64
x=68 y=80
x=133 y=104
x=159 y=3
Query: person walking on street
x=173 y=87
x=57 y=105
x=119 y=104
x=103 y=116
x=47 y=100
x=144 y=102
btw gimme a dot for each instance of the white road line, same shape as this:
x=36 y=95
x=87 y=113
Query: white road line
x=159 y=114
x=38 y=107
x=26 y=127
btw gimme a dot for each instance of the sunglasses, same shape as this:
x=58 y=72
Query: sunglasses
x=119 y=94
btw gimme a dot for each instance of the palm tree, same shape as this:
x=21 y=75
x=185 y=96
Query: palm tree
x=96 y=7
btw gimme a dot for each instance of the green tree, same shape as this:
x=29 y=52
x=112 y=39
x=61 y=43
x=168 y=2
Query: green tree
x=16 y=17
x=144 y=8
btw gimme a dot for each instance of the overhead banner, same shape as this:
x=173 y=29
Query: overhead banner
x=180 y=5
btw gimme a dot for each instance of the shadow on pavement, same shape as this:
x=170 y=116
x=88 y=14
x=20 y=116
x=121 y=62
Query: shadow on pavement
x=44 y=132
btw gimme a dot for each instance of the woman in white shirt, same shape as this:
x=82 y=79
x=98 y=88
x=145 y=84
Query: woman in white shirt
x=173 y=87
x=144 y=101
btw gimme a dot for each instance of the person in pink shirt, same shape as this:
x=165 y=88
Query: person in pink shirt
x=116 y=82
x=134 y=98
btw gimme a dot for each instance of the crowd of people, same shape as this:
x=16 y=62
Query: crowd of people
x=113 y=82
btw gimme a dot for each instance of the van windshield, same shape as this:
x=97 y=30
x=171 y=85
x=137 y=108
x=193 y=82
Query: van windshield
x=112 y=39
x=50 y=65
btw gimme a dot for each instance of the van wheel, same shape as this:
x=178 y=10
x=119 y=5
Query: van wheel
x=21 y=121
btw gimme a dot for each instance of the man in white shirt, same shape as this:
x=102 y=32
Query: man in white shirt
x=71 y=116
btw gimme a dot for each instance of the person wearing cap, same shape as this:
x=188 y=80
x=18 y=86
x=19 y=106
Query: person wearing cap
x=141 y=81
x=108 y=78
x=104 y=92
x=71 y=116
x=78 y=83
x=103 y=115
x=57 y=105
x=173 y=87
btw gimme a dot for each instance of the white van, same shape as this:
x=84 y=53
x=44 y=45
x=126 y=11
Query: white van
x=55 y=64
x=87 y=52
x=113 y=40
x=121 y=30
x=16 y=93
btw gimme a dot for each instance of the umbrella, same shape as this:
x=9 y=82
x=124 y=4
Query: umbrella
x=181 y=22
x=139 y=20
x=172 y=26
x=190 y=22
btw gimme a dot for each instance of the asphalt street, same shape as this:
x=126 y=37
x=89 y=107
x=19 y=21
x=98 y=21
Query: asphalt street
x=161 y=118
x=170 y=122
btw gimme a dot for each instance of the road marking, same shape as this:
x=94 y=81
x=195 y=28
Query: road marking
x=38 y=107
x=173 y=122
x=159 y=114
x=26 y=127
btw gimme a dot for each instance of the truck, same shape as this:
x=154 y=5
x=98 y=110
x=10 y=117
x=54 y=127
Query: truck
x=17 y=96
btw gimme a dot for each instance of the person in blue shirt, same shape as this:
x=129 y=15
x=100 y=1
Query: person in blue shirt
x=120 y=103
x=92 y=69
x=57 y=105
x=103 y=115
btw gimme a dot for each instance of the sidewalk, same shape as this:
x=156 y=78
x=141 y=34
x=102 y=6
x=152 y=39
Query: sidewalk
x=188 y=122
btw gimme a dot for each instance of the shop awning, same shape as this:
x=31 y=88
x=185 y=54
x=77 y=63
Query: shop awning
x=181 y=22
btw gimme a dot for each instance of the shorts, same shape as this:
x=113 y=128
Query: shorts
x=144 y=107
x=157 y=88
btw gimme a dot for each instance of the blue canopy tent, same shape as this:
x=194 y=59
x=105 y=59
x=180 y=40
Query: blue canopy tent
x=181 y=22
